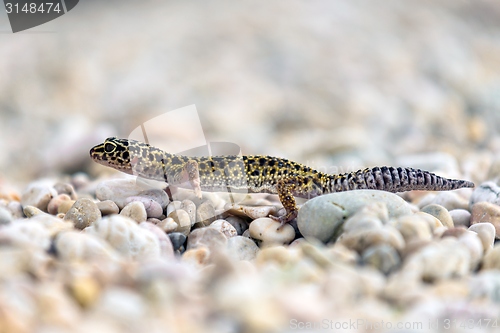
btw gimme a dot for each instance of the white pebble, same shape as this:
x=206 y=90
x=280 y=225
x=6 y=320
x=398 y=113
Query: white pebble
x=136 y=211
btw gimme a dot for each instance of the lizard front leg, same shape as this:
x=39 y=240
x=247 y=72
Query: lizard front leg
x=285 y=189
x=189 y=173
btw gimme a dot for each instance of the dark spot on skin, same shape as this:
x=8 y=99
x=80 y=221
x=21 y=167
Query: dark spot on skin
x=297 y=167
x=125 y=155
x=158 y=158
x=176 y=160
x=255 y=173
x=251 y=161
x=271 y=162
x=285 y=172
x=202 y=166
x=236 y=173
x=280 y=164
x=262 y=161
x=272 y=171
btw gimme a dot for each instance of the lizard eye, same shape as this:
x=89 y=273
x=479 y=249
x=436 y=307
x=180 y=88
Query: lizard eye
x=109 y=147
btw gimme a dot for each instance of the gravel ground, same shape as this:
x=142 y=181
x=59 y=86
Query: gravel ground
x=336 y=85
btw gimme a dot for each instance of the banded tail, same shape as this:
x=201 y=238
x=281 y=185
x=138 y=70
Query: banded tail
x=393 y=180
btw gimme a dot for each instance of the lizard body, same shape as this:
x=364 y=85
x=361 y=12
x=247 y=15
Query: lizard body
x=259 y=174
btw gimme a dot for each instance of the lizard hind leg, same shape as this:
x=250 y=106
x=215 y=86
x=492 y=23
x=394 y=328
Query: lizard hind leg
x=285 y=189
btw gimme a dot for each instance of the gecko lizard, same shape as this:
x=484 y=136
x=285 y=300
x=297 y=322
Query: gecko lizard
x=259 y=174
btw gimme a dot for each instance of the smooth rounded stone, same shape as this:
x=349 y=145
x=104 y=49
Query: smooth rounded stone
x=53 y=224
x=78 y=246
x=238 y=223
x=448 y=199
x=181 y=217
x=383 y=257
x=473 y=243
x=168 y=225
x=253 y=212
x=190 y=208
x=153 y=208
x=108 y=207
x=223 y=226
x=432 y=221
x=5 y=216
x=125 y=235
x=174 y=205
x=16 y=209
x=83 y=213
x=136 y=211
x=31 y=211
x=65 y=188
x=460 y=217
x=322 y=217
x=53 y=206
x=199 y=256
x=339 y=252
x=118 y=190
x=65 y=206
x=413 y=227
x=491 y=258
x=265 y=231
x=167 y=250
x=486 y=192
x=177 y=240
x=205 y=214
x=454 y=232
x=210 y=238
x=486 y=212
x=85 y=290
x=241 y=248
x=25 y=233
x=440 y=213
x=440 y=260
x=485 y=285
x=486 y=232
x=38 y=195
x=370 y=216
x=360 y=240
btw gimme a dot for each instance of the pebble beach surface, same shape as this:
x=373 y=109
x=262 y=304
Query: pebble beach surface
x=115 y=255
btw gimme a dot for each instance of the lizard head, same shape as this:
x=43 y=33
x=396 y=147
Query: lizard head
x=113 y=153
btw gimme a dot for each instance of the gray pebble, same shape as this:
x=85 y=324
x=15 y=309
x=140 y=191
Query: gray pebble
x=118 y=190
x=5 y=216
x=413 y=227
x=486 y=232
x=38 y=195
x=108 y=207
x=440 y=213
x=210 y=238
x=241 y=248
x=65 y=188
x=238 y=223
x=83 y=213
x=323 y=217
x=460 y=217
x=16 y=209
x=136 y=211
x=178 y=239
x=383 y=257
x=205 y=214
x=153 y=208
x=488 y=191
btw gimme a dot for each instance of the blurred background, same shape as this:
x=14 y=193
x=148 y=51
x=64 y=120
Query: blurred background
x=334 y=84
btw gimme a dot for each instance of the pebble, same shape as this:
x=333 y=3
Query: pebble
x=174 y=205
x=168 y=225
x=473 y=243
x=265 y=231
x=65 y=188
x=440 y=213
x=486 y=212
x=65 y=206
x=205 y=213
x=136 y=211
x=485 y=285
x=209 y=238
x=460 y=217
x=25 y=233
x=360 y=240
x=153 y=208
x=108 y=207
x=167 y=250
x=413 y=227
x=190 y=208
x=83 y=213
x=125 y=235
x=448 y=199
x=383 y=257
x=486 y=192
x=5 y=216
x=178 y=239
x=38 y=195
x=16 y=209
x=181 y=217
x=85 y=290
x=238 y=223
x=31 y=211
x=53 y=224
x=241 y=248
x=81 y=247
x=491 y=259
x=486 y=232
x=119 y=190
x=253 y=212
x=53 y=206
x=223 y=226
x=323 y=217
x=373 y=215
x=199 y=256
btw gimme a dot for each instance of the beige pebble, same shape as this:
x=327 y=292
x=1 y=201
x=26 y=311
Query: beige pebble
x=174 y=205
x=53 y=224
x=83 y=213
x=454 y=232
x=223 y=226
x=486 y=212
x=190 y=208
x=136 y=211
x=199 y=256
x=16 y=209
x=38 y=194
x=210 y=238
x=118 y=190
x=205 y=213
x=53 y=206
x=491 y=258
x=432 y=221
x=166 y=248
x=440 y=213
x=65 y=206
x=473 y=243
x=31 y=211
x=265 y=231
x=460 y=217
x=448 y=199
x=168 y=225
x=413 y=227
x=181 y=217
x=85 y=291
x=25 y=233
x=153 y=208
x=65 y=188
x=373 y=215
x=80 y=247
x=362 y=239
x=383 y=257
x=486 y=232
x=241 y=248
x=108 y=207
